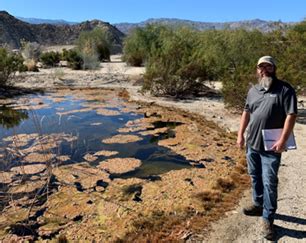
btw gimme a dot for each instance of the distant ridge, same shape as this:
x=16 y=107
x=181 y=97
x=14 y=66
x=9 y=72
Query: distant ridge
x=261 y=25
x=60 y=32
x=13 y=30
x=258 y=24
x=46 y=21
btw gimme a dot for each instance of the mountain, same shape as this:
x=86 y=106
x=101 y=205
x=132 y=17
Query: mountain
x=13 y=30
x=60 y=32
x=264 y=26
x=46 y=21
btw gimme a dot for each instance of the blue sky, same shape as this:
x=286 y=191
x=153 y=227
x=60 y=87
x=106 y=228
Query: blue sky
x=116 y=11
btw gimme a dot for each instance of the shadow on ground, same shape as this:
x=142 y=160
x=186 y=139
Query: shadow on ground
x=10 y=91
x=295 y=234
x=301 y=118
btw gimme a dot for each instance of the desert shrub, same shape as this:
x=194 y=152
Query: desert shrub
x=50 y=59
x=94 y=47
x=30 y=50
x=31 y=65
x=292 y=58
x=238 y=51
x=231 y=56
x=64 y=54
x=138 y=44
x=178 y=60
x=171 y=66
x=9 y=65
x=73 y=58
x=300 y=28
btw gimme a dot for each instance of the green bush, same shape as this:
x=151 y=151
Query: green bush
x=73 y=58
x=241 y=50
x=94 y=47
x=9 y=65
x=179 y=60
x=135 y=49
x=292 y=57
x=64 y=54
x=50 y=59
x=137 y=45
x=171 y=66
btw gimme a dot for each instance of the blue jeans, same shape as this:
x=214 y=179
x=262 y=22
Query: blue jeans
x=263 y=168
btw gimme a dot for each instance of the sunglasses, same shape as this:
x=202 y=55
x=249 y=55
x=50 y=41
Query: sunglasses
x=262 y=66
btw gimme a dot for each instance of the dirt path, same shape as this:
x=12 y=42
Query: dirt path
x=291 y=215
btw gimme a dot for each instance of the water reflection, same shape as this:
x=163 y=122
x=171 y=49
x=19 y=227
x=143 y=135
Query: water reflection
x=69 y=117
x=10 y=118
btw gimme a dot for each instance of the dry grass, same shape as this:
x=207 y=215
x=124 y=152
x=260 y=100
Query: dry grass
x=209 y=198
x=224 y=184
x=124 y=94
x=223 y=197
x=31 y=65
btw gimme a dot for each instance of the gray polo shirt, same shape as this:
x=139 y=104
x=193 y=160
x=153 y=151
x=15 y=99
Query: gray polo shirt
x=268 y=109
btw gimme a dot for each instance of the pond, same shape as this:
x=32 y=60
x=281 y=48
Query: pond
x=75 y=124
x=90 y=166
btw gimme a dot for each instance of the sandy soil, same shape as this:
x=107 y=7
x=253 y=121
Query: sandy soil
x=234 y=227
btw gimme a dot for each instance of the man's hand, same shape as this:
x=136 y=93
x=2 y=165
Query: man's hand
x=279 y=146
x=240 y=142
x=244 y=121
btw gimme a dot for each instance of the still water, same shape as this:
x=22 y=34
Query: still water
x=53 y=113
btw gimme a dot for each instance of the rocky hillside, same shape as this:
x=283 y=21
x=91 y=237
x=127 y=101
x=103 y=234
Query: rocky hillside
x=258 y=24
x=13 y=30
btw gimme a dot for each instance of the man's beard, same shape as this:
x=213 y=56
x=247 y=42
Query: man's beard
x=265 y=82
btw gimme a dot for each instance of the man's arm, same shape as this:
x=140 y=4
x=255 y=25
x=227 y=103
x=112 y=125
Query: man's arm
x=279 y=146
x=244 y=121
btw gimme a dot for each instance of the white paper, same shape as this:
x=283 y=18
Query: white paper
x=271 y=136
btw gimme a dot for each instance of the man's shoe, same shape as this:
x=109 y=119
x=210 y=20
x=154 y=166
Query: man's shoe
x=268 y=230
x=253 y=210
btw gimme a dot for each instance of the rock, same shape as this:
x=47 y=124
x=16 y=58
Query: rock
x=63 y=64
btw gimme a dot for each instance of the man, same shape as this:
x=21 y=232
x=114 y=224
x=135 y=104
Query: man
x=270 y=104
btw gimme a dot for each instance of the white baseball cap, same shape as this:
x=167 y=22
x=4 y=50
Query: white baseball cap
x=266 y=59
